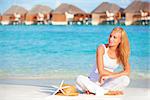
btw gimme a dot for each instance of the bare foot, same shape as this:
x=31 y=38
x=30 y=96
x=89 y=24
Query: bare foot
x=114 y=93
x=89 y=93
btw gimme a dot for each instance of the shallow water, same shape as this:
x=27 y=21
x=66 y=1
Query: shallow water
x=64 y=51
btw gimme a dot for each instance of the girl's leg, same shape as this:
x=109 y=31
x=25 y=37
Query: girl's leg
x=85 y=84
x=118 y=83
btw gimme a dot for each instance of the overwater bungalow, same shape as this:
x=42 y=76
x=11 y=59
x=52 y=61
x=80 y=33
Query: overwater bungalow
x=69 y=14
x=14 y=15
x=0 y=18
x=39 y=14
x=137 y=11
x=84 y=18
x=106 y=12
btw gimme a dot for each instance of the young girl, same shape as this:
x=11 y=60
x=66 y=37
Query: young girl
x=103 y=80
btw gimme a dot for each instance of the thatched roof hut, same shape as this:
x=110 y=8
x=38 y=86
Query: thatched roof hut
x=0 y=17
x=14 y=13
x=136 y=6
x=105 y=11
x=64 y=7
x=38 y=12
x=59 y=15
x=134 y=11
x=102 y=8
x=15 y=9
x=40 y=9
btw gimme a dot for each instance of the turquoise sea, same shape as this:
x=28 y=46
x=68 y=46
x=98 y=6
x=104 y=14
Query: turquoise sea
x=46 y=51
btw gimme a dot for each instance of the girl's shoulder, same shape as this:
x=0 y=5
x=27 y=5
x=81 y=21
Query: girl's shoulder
x=101 y=48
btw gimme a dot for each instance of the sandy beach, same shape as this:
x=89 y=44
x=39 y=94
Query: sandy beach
x=39 y=90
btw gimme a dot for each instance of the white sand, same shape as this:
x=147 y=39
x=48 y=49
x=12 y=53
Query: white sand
x=22 y=92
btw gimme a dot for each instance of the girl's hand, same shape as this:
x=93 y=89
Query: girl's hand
x=101 y=81
x=103 y=78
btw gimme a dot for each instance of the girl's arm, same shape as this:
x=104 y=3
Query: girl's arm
x=99 y=61
x=126 y=72
x=117 y=74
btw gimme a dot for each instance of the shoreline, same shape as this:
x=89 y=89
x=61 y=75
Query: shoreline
x=134 y=75
x=134 y=83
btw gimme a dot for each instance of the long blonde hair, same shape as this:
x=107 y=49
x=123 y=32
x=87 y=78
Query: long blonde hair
x=123 y=47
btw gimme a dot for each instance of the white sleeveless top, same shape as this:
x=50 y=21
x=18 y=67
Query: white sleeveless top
x=109 y=64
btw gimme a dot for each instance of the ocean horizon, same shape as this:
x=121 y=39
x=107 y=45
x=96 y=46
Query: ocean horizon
x=47 y=51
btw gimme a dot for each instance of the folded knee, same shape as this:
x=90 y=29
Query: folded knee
x=125 y=80
x=80 y=79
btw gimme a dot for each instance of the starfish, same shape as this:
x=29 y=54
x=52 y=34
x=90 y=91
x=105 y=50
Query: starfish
x=59 y=88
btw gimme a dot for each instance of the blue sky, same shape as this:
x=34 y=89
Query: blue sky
x=86 y=5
